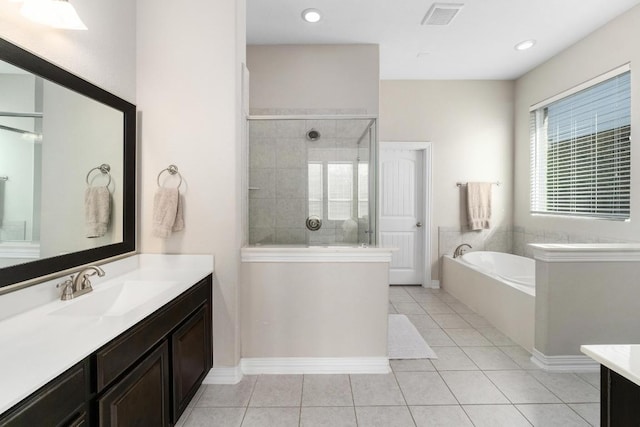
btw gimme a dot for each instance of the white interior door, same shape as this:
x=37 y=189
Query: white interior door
x=402 y=213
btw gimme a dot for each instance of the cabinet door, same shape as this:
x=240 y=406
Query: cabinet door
x=142 y=397
x=191 y=350
x=54 y=404
x=620 y=400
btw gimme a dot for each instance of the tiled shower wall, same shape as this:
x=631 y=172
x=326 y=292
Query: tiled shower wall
x=278 y=191
x=509 y=239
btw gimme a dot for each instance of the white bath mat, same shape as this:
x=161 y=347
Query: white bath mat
x=405 y=342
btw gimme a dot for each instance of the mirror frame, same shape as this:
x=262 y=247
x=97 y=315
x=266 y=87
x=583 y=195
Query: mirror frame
x=57 y=265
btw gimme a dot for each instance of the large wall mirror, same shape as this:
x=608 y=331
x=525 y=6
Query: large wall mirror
x=67 y=170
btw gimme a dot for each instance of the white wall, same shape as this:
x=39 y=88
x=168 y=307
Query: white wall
x=314 y=77
x=470 y=124
x=188 y=69
x=605 y=49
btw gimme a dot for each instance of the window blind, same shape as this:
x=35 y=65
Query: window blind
x=581 y=152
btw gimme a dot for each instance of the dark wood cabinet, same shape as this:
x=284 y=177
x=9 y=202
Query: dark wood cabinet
x=191 y=358
x=619 y=400
x=59 y=403
x=81 y=420
x=144 y=377
x=141 y=398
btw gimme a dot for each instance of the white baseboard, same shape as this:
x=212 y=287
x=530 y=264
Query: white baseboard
x=315 y=365
x=435 y=284
x=223 y=375
x=564 y=363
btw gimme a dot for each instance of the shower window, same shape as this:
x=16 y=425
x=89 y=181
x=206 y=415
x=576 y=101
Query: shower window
x=340 y=191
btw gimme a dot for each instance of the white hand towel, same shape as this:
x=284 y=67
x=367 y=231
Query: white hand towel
x=479 y=205
x=97 y=210
x=165 y=211
x=178 y=224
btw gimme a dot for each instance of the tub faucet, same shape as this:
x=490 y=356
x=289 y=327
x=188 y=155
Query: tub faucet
x=80 y=284
x=460 y=250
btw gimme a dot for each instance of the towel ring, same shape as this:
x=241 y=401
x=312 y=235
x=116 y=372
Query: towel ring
x=104 y=168
x=173 y=170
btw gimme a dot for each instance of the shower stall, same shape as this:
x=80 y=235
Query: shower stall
x=312 y=180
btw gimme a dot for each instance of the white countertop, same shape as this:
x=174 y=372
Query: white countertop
x=36 y=347
x=623 y=359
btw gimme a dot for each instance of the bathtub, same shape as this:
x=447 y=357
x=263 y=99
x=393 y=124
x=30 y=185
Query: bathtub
x=498 y=286
x=516 y=271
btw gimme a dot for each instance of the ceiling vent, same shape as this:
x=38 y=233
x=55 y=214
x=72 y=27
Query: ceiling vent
x=441 y=13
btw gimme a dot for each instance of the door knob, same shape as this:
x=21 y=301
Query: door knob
x=419 y=224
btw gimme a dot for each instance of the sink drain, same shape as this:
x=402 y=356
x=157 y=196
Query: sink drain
x=314 y=223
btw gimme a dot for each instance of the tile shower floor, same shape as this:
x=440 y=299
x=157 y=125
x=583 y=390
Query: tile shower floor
x=481 y=378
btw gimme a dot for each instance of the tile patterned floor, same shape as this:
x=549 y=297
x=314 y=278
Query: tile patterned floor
x=481 y=378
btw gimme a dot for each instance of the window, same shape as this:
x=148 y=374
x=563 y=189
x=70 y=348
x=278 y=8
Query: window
x=340 y=178
x=339 y=190
x=580 y=151
x=316 y=189
x=363 y=190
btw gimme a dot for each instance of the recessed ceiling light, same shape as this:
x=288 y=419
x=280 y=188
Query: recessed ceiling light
x=527 y=44
x=311 y=15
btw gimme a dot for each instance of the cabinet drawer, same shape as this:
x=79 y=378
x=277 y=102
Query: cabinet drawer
x=55 y=404
x=114 y=359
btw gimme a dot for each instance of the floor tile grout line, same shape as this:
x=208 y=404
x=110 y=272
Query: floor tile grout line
x=547 y=388
x=301 y=397
x=406 y=404
x=253 y=389
x=558 y=404
x=580 y=415
x=353 y=400
x=523 y=414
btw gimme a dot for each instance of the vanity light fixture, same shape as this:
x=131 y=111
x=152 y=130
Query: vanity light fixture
x=54 y=13
x=524 y=45
x=311 y=15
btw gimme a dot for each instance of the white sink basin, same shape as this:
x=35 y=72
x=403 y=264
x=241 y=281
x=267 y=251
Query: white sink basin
x=115 y=300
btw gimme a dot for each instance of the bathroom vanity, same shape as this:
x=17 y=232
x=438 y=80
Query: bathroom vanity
x=619 y=383
x=136 y=348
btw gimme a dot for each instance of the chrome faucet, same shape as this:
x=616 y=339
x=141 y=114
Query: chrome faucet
x=460 y=250
x=80 y=284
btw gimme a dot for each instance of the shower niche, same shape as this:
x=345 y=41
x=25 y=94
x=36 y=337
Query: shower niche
x=312 y=180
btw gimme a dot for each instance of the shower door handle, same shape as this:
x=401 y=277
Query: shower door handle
x=419 y=224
